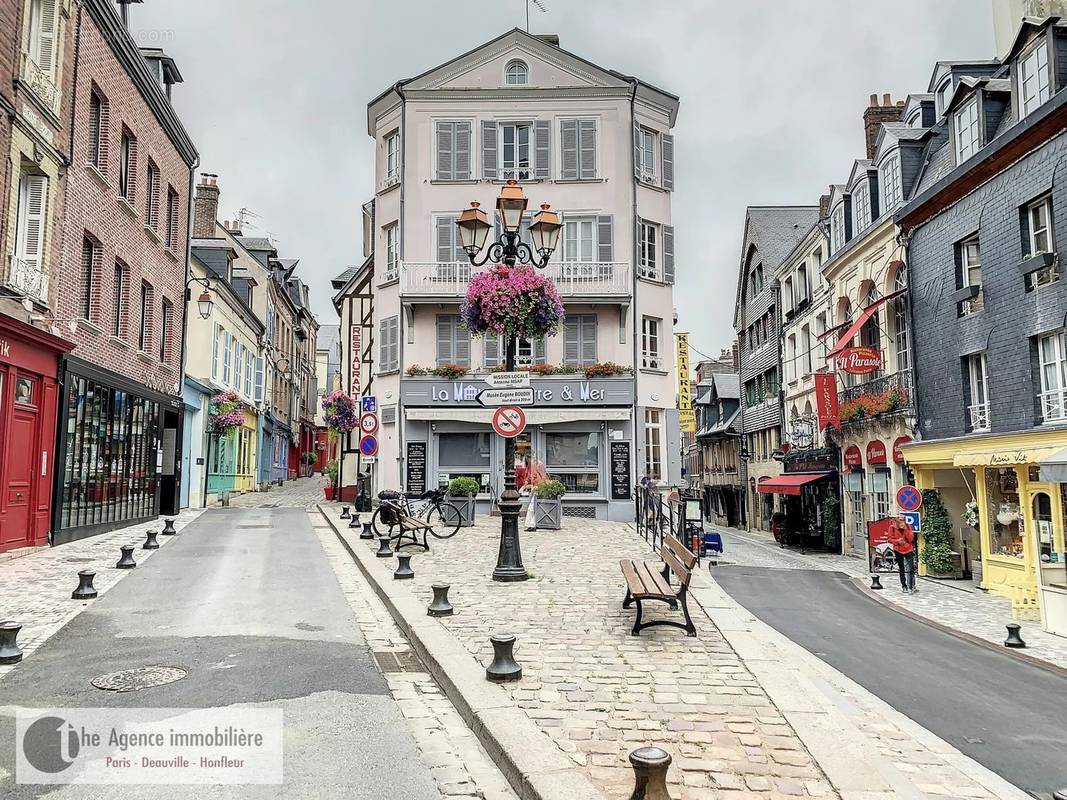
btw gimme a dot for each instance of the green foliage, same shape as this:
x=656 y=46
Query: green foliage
x=937 y=534
x=309 y=457
x=550 y=490
x=331 y=470
x=463 y=487
x=831 y=521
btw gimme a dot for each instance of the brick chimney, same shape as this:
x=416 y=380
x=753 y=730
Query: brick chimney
x=206 y=206
x=824 y=206
x=876 y=114
x=233 y=226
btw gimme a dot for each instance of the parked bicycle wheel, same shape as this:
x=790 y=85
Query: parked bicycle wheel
x=380 y=526
x=443 y=520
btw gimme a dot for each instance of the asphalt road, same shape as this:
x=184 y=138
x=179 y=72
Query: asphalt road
x=246 y=601
x=1003 y=712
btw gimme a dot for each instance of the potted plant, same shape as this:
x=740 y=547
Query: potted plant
x=331 y=473
x=548 y=505
x=310 y=458
x=937 y=535
x=461 y=493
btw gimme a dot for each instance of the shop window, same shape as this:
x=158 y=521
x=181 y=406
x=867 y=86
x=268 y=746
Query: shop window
x=880 y=494
x=462 y=455
x=654 y=443
x=1043 y=522
x=857 y=522
x=1004 y=514
x=24 y=391
x=574 y=460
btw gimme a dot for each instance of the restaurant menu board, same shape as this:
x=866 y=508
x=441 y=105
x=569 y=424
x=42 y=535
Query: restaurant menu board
x=416 y=467
x=621 y=479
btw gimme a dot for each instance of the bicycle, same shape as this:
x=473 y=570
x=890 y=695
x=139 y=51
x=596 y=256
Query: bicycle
x=442 y=517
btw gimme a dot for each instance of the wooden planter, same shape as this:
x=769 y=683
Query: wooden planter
x=548 y=514
x=465 y=506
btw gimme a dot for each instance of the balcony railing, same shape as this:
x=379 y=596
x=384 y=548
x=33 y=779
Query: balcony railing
x=574 y=279
x=884 y=396
x=26 y=278
x=39 y=81
x=979 y=416
x=1054 y=405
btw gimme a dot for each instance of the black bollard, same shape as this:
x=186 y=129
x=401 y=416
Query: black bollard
x=440 y=607
x=1060 y=795
x=85 y=590
x=354 y=522
x=150 y=542
x=876 y=582
x=383 y=551
x=168 y=527
x=344 y=512
x=403 y=571
x=504 y=667
x=9 y=649
x=126 y=562
x=1014 y=639
x=368 y=531
x=650 y=773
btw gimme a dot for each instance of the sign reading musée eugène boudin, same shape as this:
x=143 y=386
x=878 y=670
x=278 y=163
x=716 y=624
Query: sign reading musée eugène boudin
x=557 y=392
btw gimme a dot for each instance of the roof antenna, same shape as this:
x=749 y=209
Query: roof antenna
x=540 y=6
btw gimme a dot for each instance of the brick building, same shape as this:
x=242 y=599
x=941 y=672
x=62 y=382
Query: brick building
x=121 y=282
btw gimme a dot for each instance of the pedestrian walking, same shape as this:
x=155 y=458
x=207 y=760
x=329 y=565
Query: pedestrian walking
x=902 y=540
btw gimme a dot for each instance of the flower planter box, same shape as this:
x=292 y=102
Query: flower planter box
x=328 y=491
x=548 y=514
x=1034 y=263
x=465 y=506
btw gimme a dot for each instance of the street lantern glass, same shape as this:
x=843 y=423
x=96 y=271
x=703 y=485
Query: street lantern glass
x=512 y=205
x=545 y=230
x=204 y=304
x=474 y=227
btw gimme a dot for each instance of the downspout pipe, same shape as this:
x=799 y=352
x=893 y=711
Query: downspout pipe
x=638 y=424
x=400 y=455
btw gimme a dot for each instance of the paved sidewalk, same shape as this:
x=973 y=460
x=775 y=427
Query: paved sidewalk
x=297 y=493
x=954 y=604
x=35 y=589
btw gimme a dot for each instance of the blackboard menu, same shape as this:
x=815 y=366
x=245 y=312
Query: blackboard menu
x=620 y=471
x=416 y=467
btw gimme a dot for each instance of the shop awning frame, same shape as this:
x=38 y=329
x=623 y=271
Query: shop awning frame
x=860 y=321
x=791 y=483
x=1054 y=467
x=1005 y=457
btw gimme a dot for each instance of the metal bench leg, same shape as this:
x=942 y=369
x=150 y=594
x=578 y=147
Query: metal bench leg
x=628 y=600
x=690 y=628
x=637 y=622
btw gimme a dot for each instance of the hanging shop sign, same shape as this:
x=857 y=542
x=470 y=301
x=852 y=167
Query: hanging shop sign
x=802 y=437
x=554 y=392
x=826 y=400
x=621 y=479
x=853 y=457
x=898 y=455
x=415 y=464
x=505 y=397
x=876 y=452
x=859 y=360
x=355 y=358
x=822 y=460
x=508 y=380
x=686 y=416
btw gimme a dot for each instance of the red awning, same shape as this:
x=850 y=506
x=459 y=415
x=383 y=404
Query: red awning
x=789 y=484
x=855 y=327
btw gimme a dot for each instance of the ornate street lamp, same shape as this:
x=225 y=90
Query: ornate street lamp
x=474 y=231
x=204 y=303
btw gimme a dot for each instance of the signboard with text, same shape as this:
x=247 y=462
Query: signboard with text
x=508 y=380
x=859 y=360
x=826 y=400
x=415 y=464
x=686 y=416
x=355 y=355
x=552 y=392
x=505 y=397
x=621 y=478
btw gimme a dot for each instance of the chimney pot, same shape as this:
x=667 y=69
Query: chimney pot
x=874 y=101
x=886 y=100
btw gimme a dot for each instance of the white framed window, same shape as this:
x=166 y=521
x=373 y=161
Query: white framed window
x=238 y=366
x=915 y=120
x=880 y=492
x=453 y=341
x=527 y=351
x=1042 y=240
x=971 y=273
x=392 y=252
x=837 y=228
x=215 y=350
x=805 y=349
x=227 y=344
x=651 y=328
x=889 y=180
x=29 y=273
x=966 y=130
x=1052 y=353
x=861 y=207
x=654 y=443
x=1034 y=78
x=648 y=238
x=978 y=408
x=43 y=30
x=392 y=158
x=516 y=73
x=648 y=147
x=389 y=353
x=944 y=94
x=579 y=239
x=574 y=459
x=515 y=160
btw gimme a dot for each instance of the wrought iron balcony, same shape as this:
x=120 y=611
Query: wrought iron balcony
x=39 y=81
x=881 y=397
x=27 y=278
x=574 y=279
x=1054 y=405
x=978 y=414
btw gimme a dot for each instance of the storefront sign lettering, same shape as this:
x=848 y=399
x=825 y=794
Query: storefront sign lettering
x=5 y=348
x=461 y=392
x=859 y=360
x=898 y=456
x=826 y=400
x=876 y=452
x=1012 y=457
x=416 y=467
x=620 y=471
x=853 y=457
x=355 y=356
x=686 y=417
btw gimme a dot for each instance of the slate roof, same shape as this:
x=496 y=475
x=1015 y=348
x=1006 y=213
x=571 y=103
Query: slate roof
x=339 y=281
x=256 y=242
x=775 y=230
x=727 y=384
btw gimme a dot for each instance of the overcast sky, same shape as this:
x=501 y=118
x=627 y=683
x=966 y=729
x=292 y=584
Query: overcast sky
x=772 y=95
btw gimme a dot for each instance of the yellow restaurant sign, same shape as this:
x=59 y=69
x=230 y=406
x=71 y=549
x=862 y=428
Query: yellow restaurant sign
x=687 y=419
x=1002 y=458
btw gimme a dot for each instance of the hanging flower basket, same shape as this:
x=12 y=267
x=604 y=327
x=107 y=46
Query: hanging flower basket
x=340 y=412
x=512 y=301
x=227 y=412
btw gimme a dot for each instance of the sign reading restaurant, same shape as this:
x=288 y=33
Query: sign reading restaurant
x=556 y=392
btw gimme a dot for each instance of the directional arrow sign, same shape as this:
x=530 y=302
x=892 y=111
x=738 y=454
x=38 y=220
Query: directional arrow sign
x=508 y=380
x=491 y=398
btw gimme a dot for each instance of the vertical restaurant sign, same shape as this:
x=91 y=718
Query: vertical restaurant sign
x=686 y=416
x=826 y=400
x=355 y=359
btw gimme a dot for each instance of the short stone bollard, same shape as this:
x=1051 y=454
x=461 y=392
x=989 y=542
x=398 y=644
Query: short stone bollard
x=126 y=562
x=354 y=521
x=440 y=607
x=403 y=571
x=9 y=649
x=1060 y=795
x=504 y=667
x=225 y=500
x=368 y=531
x=650 y=773
x=150 y=542
x=344 y=512
x=1014 y=639
x=383 y=551
x=876 y=582
x=85 y=590
x=168 y=527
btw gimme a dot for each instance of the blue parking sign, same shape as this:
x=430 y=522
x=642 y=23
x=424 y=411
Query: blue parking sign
x=370 y=404
x=913 y=518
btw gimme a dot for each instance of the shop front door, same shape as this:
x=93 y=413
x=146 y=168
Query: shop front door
x=22 y=453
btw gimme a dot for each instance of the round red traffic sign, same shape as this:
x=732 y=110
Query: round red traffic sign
x=368 y=423
x=509 y=421
x=368 y=445
x=909 y=498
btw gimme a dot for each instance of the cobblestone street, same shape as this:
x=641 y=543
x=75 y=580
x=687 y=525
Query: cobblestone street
x=297 y=493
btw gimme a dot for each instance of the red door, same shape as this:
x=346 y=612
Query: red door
x=22 y=452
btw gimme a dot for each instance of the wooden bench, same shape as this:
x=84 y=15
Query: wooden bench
x=409 y=527
x=645 y=581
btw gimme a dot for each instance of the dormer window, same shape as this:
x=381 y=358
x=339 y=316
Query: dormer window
x=516 y=74
x=966 y=127
x=837 y=228
x=944 y=94
x=1034 y=78
x=915 y=120
x=889 y=180
x=861 y=207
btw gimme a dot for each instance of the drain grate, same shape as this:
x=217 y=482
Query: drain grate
x=132 y=680
x=404 y=661
x=79 y=560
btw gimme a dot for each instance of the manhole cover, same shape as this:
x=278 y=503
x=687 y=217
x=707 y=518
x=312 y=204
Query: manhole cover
x=404 y=661
x=130 y=680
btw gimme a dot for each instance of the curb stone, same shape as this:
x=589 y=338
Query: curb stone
x=532 y=764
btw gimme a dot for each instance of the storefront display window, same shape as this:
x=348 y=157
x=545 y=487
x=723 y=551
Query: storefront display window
x=1004 y=514
x=574 y=460
x=463 y=455
x=880 y=493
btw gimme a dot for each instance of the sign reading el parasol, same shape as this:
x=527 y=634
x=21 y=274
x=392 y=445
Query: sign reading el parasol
x=509 y=421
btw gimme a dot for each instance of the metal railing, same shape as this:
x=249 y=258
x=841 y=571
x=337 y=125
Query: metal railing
x=974 y=305
x=657 y=517
x=572 y=278
x=1054 y=405
x=979 y=416
x=39 y=81
x=893 y=391
x=27 y=278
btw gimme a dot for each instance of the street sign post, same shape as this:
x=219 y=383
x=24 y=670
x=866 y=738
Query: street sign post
x=368 y=423
x=369 y=404
x=490 y=398
x=368 y=445
x=914 y=520
x=909 y=498
x=509 y=421
x=508 y=380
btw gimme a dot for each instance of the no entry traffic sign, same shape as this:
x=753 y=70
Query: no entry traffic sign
x=368 y=445
x=909 y=498
x=509 y=421
x=368 y=423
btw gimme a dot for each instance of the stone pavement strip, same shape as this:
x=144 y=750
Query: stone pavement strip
x=745 y=713
x=297 y=493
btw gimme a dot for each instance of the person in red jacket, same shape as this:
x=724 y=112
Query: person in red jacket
x=902 y=540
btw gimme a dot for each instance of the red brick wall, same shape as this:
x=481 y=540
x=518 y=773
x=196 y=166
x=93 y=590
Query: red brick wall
x=10 y=24
x=93 y=207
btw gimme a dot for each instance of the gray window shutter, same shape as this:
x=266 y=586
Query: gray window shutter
x=491 y=356
x=588 y=339
x=571 y=338
x=445 y=339
x=445 y=238
x=637 y=150
x=568 y=130
x=489 y=146
x=667 y=157
x=542 y=149
x=604 y=234
x=668 y=254
x=462 y=346
x=463 y=151
x=445 y=150
x=540 y=356
x=587 y=149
